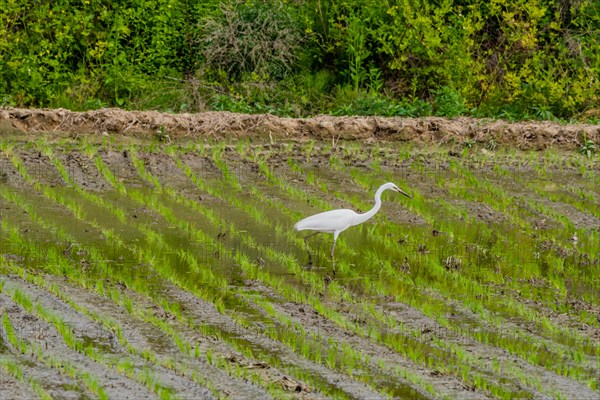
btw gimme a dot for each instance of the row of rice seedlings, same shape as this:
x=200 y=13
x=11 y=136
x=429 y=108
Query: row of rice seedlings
x=13 y=367
x=115 y=240
x=588 y=167
x=520 y=180
x=495 y=194
x=171 y=274
x=148 y=316
x=541 y=163
x=580 y=201
x=530 y=170
x=109 y=175
x=295 y=341
x=35 y=349
x=445 y=205
x=271 y=283
x=251 y=154
x=560 y=334
x=124 y=365
x=504 y=201
x=343 y=356
x=490 y=276
x=116 y=211
x=300 y=271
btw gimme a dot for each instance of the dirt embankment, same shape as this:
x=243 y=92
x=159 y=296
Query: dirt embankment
x=523 y=135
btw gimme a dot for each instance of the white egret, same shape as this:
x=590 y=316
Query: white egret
x=337 y=221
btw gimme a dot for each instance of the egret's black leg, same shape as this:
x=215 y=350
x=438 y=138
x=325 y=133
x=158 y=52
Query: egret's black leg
x=333 y=267
x=335 y=236
x=310 y=260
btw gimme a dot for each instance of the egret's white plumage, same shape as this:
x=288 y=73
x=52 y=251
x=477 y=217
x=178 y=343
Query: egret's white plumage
x=337 y=221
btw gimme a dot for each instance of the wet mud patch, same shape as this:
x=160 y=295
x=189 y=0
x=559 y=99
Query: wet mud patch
x=35 y=330
x=202 y=167
x=82 y=170
x=163 y=167
x=481 y=211
x=381 y=362
x=120 y=164
x=147 y=337
x=8 y=174
x=11 y=387
x=270 y=349
x=40 y=168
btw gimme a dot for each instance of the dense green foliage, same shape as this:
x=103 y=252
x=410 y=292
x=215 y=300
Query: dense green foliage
x=502 y=58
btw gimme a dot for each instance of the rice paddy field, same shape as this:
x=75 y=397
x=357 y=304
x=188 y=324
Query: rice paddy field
x=134 y=269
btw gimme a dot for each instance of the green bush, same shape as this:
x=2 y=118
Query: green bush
x=449 y=102
x=91 y=51
x=368 y=105
x=527 y=59
x=515 y=59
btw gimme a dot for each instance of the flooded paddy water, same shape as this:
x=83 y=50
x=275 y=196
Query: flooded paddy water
x=132 y=268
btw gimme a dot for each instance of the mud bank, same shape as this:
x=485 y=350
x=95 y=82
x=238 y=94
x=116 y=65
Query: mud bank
x=522 y=135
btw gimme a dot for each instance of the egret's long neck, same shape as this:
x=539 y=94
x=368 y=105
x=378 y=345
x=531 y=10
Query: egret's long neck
x=369 y=214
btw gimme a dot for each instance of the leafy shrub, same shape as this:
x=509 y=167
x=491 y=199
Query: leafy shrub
x=449 y=103
x=526 y=59
x=373 y=105
x=67 y=52
x=587 y=147
x=521 y=59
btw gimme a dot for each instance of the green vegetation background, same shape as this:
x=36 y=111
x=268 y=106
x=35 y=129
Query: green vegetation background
x=515 y=59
